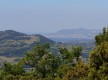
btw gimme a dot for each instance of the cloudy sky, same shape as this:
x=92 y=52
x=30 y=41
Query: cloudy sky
x=45 y=16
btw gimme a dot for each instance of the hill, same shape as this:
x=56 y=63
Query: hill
x=75 y=33
x=14 y=43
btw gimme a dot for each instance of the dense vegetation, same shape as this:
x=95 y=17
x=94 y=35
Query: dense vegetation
x=41 y=64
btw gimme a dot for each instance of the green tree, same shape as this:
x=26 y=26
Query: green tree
x=66 y=56
x=42 y=61
x=48 y=65
x=99 y=58
x=99 y=62
x=62 y=70
x=78 y=72
x=13 y=69
x=77 y=52
x=43 y=64
x=102 y=37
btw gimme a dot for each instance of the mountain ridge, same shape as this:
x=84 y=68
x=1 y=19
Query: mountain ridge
x=75 y=33
x=13 y=43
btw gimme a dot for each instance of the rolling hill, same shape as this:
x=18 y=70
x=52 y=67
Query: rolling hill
x=14 y=43
x=75 y=33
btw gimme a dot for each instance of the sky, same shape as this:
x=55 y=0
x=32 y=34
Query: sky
x=47 y=16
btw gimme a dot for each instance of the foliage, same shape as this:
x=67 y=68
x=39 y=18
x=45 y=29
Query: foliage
x=13 y=69
x=42 y=64
x=62 y=70
x=77 y=52
x=42 y=61
x=79 y=71
x=102 y=37
x=99 y=62
x=66 y=56
x=99 y=57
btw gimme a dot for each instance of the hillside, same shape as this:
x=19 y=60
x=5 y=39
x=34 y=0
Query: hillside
x=14 y=43
x=75 y=33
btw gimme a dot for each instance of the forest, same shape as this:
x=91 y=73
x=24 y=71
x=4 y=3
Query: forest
x=41 y=64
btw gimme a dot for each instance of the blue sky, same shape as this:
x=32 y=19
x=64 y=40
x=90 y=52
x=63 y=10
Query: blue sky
x=45 y=16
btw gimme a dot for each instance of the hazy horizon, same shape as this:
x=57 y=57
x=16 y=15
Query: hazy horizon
x=48 y=16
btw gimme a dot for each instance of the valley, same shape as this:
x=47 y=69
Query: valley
x=14 y=44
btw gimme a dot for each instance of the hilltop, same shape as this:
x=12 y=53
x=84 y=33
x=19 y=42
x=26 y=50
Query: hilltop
x=13 y=43
x=75 y=33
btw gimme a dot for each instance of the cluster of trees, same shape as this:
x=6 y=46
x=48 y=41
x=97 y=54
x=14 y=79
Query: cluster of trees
x=42 y=64
x=99 y=57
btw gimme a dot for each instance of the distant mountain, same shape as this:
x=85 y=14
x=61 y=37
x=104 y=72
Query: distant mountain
x=75 y=33
x=14 y=43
